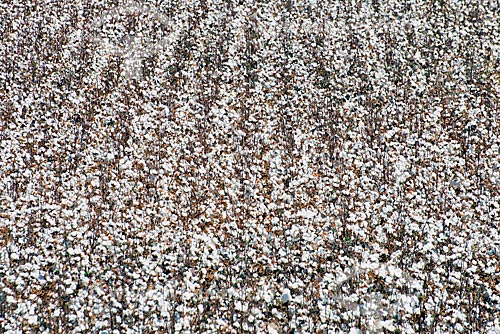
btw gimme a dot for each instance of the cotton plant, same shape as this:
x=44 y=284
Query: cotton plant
x=272 y=167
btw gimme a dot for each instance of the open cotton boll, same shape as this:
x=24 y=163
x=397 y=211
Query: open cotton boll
x=286 y=296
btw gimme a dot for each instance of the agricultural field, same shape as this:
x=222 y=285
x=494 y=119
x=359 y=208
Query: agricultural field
x=223 y=166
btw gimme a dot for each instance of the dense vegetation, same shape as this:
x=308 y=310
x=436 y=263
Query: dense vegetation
x=273 y=166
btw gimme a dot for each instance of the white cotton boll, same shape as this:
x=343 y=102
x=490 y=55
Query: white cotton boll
x=164 y=310
x=428 y=246
x=286 y=296
x=187 y=295
x=272 y=328
x=308 y=214
x=395 y=271
x=32 y=319
x=387 y=324
x=231 y=292
x=20 y=283
x=268 y=297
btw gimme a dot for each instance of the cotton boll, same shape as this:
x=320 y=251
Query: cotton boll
x=388 y=325
x=231 y=292
x=32 y=319
x=272 y=328
x=286 y=296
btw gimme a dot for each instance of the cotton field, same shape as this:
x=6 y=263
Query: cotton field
x=223 y=166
